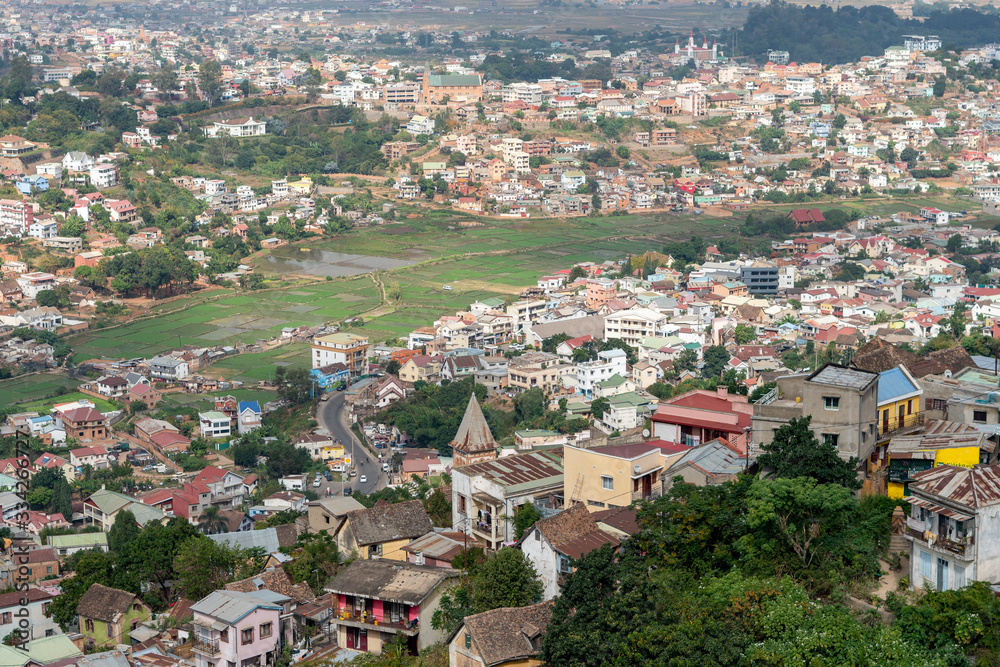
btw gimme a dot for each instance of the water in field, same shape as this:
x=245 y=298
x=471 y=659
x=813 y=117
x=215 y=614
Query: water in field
x=289 y=259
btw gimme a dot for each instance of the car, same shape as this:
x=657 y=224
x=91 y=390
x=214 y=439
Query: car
x=447 y=288
x=363 y=479
x=317 y=481
x=385 y=467
x=348 y=491
x=328 y=476
x=148 y=468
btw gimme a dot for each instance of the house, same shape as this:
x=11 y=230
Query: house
x=112 y=386
x=806 y=216
x=898 y=401
x=144 y=393
x=37 y=564
x=505 y=637
x=235 y=628
x=486 y=495
x=624 y=474
x=67 y=545
x=710 y=464
x=842 y=403
x=436 y=548
x=342 y=347
x=168 y=368
x=84 y=423
x=237 y=127
x=381 y=531
x=376 y=600
x=420 y=367
x=103 y=506
x=31 y=606
x=214 y=424
x=108 y=615
x=952 y=526
x=327 y=514
x=553 y=543
x=700 y=416
x=97 y=457
x=248 y=417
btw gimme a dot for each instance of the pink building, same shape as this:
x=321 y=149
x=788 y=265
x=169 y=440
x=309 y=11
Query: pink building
x=233 y=628
x=375 y=600
x=701 y=416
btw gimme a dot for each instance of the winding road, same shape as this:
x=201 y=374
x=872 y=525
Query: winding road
x=332 y=415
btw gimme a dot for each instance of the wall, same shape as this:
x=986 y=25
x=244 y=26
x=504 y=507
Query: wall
x=543 y=557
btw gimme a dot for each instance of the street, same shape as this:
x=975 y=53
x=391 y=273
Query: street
x=332 y=415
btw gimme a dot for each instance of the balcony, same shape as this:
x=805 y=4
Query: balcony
x=349 y=619
x=207 y=647
x=639 y=496
x=895 y=425
x=961 y=547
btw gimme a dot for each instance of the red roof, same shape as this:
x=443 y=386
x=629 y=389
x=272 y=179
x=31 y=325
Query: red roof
x=86 y=414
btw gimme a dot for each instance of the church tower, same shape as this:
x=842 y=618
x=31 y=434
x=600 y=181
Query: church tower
x=474 y=442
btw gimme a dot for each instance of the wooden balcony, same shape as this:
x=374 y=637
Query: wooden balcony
x=370 y=622
x=962 y=548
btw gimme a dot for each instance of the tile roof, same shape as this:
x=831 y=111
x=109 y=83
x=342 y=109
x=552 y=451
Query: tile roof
x=835 y=375
x=276 y=580
x=574 y=532
x=389 y=522
x=104 y=603
x=508 y=634
x=474 y=433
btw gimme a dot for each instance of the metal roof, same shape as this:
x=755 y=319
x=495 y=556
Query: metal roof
x=840 y=376
x=533 y=467
x=266 y=539
x=893 y=384
x=230 y=606
x=969 y=487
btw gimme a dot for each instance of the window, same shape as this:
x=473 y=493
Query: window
x=607 y=483
x=959 y=577
x=936 y=404
x=564 y=564
x=925 y=565
x=909 y=407
x=461 y=504
x=265 y=630
x=327 y=519
x=246 y=636
x=831 y=439
x=831 y=402
x=5 y=618
x=594 y=503
x=468 y=640
x=110 y=629
x=979 y=416
x=224 y=636
x=88 y=625
x=48 y=569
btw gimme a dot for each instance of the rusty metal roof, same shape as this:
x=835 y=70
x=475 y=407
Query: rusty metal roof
x=937 y=509
x=969 y=487
x=520 y=469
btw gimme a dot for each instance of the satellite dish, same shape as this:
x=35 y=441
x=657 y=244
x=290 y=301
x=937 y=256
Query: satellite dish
x=645 y=432
x=637 y=467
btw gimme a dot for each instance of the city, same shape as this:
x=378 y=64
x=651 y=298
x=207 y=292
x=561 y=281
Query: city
x=404 y=334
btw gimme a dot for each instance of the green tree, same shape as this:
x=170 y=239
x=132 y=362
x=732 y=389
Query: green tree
x=956 y=321
x=211 y=522
x=599 y=406
x=123 y=532
x=210 y=80
x=438 y=507
x=714 y=358
x=317 y=559
x=745 y=334
x=795 y=452
x=203 y=566
x=525 y=517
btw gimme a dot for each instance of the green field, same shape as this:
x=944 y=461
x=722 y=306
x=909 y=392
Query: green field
x=44 y=406
x=34 y=387
x=203 y=402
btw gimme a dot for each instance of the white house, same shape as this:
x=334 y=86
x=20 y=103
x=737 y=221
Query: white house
x=237 y=127
x=77 y=161
x=214 y=424
x=31 y=606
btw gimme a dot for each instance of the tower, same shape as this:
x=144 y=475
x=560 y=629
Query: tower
x=474 y=441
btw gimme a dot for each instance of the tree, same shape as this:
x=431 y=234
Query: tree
x=745 y=334
x=124 y=530
x=940 y=84
x=795 y=452
x=89 y=567
x=956 y=321
x=74 y=226
x=714 y=358
x=210 y=80
x=317 y=558
x=599 y=406
x=438 y=507
x=210 y=522
x=203 y=566
x=525 y=517
x=508 y=579
x=48 y=298
x=805 y=513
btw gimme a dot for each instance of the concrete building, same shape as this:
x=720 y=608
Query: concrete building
x=342 y=347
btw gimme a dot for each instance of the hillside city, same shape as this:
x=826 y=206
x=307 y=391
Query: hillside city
x=337 y=335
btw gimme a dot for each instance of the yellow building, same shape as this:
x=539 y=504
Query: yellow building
x=614 y=476
x=909 y=454
x=898 y=401
x=382 y=532
x=505 y=637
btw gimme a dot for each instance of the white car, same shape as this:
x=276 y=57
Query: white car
x=363 y=479
x=447 y=288
x=317 y=481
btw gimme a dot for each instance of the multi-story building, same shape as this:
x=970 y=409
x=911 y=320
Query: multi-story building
x=613 y=476
x=486 y=495
x=953 y=526
x=237 y=127
x=436 y=87
x=214 y=424
x=235 y=628
x=342 y=347
x=31 y=605
x=537 y=369
x=600 y=291
x=404 y=92
x=760 y=279
x=589 y=374
x=84 y=423
x=634 y=325
x=700 y=416
x=168 y=368
x=841 y=401
x=108 y=615
x=16 y=216
x=375 y=601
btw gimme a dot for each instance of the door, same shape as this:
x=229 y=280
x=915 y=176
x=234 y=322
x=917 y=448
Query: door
x=647 y=486
x=902 y=416
x=885 y=421
x=362 y=640
x=942 y=574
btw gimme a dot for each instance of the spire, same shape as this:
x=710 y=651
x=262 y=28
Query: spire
x=474 y=435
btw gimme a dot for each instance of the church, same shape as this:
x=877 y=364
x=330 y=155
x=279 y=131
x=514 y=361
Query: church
x=474 y=441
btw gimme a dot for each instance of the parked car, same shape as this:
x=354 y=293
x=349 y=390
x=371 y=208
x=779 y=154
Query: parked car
x=348 y=491
x=328 y=476
x=317 y=481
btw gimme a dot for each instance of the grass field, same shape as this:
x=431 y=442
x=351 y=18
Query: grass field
x=495 y=259
x=204 y=402
x=44 y=406
x=34 y=387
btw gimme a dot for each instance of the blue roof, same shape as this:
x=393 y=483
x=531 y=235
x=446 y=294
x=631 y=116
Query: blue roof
x=892 y=384
x=253 y=405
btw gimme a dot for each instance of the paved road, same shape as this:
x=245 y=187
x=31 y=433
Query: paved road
x=332 y=416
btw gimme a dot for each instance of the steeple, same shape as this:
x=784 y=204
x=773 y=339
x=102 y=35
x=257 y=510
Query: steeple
x=474 y=441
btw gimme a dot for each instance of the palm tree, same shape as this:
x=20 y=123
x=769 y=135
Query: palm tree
x=210 y=522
